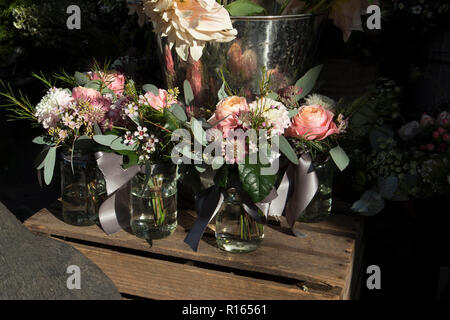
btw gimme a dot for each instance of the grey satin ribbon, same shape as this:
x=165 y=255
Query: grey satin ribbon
x=114 y=213
x=295 y=192
x=208 y=203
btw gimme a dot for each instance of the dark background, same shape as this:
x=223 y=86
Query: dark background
x=407 y=240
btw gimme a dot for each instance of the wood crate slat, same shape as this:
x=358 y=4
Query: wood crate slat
x=159 y=279
x=323 y=259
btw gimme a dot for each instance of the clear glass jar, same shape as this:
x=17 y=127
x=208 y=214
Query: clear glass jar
x=319 y=208
x=153 y=205
x=83 y=189
x=236 y=230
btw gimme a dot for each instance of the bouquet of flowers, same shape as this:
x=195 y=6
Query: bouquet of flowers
x=411 y=161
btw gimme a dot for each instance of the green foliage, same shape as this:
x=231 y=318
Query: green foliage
x=256 y=185
x=245 y=8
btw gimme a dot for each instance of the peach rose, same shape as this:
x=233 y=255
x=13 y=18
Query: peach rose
x=160 y=101
x=115 y=80
x=313 y=123
x=225 y=117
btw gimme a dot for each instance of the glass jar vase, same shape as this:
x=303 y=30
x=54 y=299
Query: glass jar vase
x=319 y=208
x=153 y=202
x=83 y=188
x=236 y=230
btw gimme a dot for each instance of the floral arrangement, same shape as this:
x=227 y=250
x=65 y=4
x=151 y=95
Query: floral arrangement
x=395 y=161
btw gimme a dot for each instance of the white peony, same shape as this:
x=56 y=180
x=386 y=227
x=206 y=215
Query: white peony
x=51 y=106
x=189 y=24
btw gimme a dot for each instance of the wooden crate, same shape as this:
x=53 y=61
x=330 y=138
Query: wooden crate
x=323 y=265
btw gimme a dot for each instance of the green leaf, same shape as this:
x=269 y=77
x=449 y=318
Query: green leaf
x=217 y=163
x=40 y=159
x=105 y=140
x=220 y=179
x=97 y=130
x=118 y=145
x=81 y=78
x=293 y=113
x=287 y=149
x=221 y=94
x=49 y=165
x=339 y=157
x=151 y=88
x=308 y=81
x=171 y=121
x=272 y=95
x=93 y=84
x=178 y=112
x=244 y=8
x=257 y=186
x=42 y=140
x=188 y=93
x=370 y=204
x=199 y=133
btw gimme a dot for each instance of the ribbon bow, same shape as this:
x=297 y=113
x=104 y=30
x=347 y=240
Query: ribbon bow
x=114 y=213
x=296 y=190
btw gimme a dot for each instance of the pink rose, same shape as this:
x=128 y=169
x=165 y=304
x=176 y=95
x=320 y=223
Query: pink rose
x=160 y=101
x=443 y=118
x=225 y=117
x=86 y=94
x=313 y=123
x=115 y=81
x=426 y=120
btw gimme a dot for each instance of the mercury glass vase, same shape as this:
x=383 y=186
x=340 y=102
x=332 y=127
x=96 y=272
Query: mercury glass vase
x=319 y=208
x=236 y=230
x=153 y=202
x=83 y=188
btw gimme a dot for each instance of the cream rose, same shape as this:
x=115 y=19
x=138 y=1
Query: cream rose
x=226 y=116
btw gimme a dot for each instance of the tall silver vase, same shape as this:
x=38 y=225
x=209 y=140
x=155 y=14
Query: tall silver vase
x=281 y=46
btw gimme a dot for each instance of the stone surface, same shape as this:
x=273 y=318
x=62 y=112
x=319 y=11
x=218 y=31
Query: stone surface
x=35 y=267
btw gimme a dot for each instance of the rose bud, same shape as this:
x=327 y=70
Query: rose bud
x=446 y=137
x=441 y=130
x=435 y=134
x=430 y=147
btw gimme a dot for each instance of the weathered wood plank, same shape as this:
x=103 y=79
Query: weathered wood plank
x=159 y=279
x=322 y=257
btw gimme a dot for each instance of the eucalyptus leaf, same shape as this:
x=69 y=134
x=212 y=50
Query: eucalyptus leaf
x=199 y=133
x=221 y=94
x=117 y=144
x=151 y=88
x=293 y=113
x=105 y=140
x=370 y=204
x=49 y=165
x=188 y=93
x=272 y=95
x=42 y=140
x=93 y=84
x=40 y=159
x=178 y=112
x=308 y=81
x=81 y=78
x=340 y=157
x=97 y=130
x=217 y=163
x=286 y=148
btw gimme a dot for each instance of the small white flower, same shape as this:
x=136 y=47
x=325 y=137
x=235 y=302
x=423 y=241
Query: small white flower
x=128 y=138
x=141 y=133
